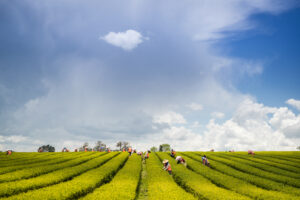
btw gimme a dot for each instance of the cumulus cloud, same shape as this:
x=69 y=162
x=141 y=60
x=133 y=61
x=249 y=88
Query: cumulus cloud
x=285 y=121
x=255 y=126
x=252 y=126
x=179 y=137
x=295 y=103
x=127 y=40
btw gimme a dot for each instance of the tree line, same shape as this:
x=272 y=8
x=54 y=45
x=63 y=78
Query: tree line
x=101 y=146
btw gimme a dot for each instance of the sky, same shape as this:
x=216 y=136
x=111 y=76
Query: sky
x=197 y=75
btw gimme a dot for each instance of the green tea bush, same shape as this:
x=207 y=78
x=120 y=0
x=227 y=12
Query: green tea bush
x=79 y=185
x=258 y=181
x=196 y=183
x=262 y=164
x=53 y=160
x=15 y=187
x=160 y=184
x=123 y=185
x=258 y=172
x=39 y=170
x=235 y=184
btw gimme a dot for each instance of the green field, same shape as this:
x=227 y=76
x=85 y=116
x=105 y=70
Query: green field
x=115 y=175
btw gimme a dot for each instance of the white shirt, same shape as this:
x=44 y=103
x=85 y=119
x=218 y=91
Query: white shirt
x=178 y=158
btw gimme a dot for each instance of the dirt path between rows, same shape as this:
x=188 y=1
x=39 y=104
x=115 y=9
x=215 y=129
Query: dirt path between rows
x=143 y=188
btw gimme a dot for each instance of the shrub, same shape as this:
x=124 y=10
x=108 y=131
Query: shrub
x=39 y=170
x=259 y=172
x=79 y=185
x=160 y=184
x=235 y=184
x=11 y=188
x=196 y=183
x=258 y=181
x=123 y=185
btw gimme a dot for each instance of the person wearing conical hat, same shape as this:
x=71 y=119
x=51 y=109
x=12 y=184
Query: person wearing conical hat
x=167 y=166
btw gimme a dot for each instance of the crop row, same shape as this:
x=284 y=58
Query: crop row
x=39 y=170
x=78 y=186
x=123 y=185
x=258 y=172
x=160 y=184
x=295 y=160
x=18 y=156
x=52 y=161
x=258 y=163
x=263 y=164
x=277 y=160
x=288 y=158
x=293 y=154
x=280 y=160
x=35 y=159
x=235 y=184
x=256 y=180
x=15 y=187
x=10 y=161
x=197 y=184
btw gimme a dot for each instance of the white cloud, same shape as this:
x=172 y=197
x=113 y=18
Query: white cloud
x=195 y=106
x=169 y=118
x=287 y=122
x=180 y=138
x=255 y=126
x=217 y=115
x=127 y=40
x=293 y=102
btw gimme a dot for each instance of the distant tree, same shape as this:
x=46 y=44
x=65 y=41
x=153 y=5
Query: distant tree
x=100 y=146
x=164 y=147
x=46 y=148
x=119 y=144
x=153 y=149
x=85 y=145
x=298 y=148
x=123 y=145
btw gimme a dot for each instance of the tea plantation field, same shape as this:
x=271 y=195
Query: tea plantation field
x=116 y=175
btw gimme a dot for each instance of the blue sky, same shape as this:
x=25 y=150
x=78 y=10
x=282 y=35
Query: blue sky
x=197 y=75
x=279 y=37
